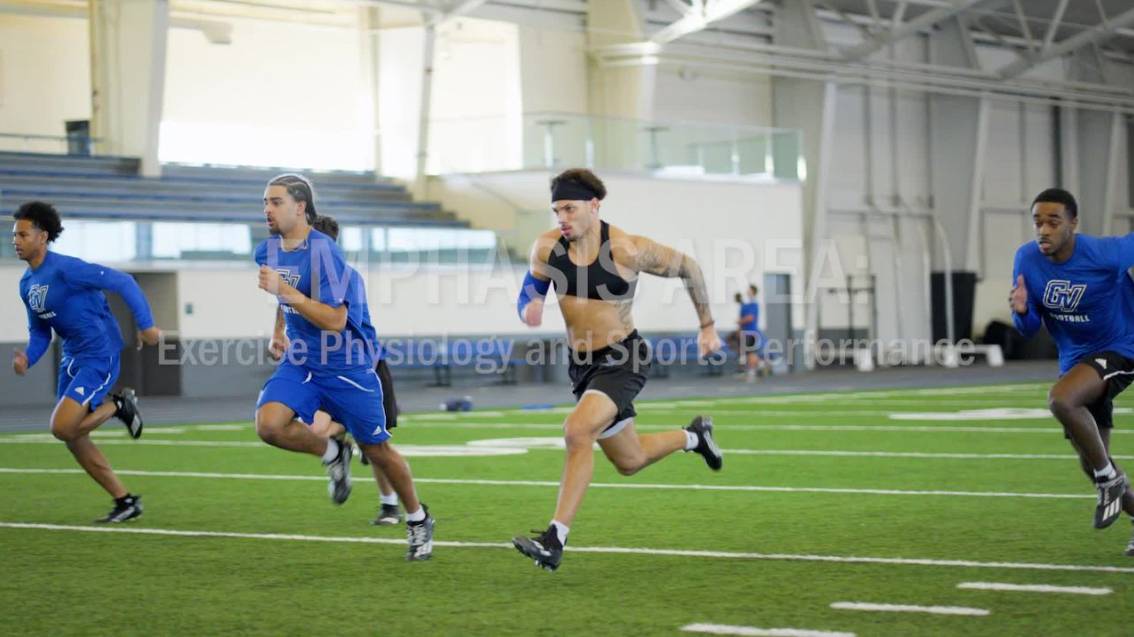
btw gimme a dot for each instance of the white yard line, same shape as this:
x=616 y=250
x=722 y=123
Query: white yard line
x=911 y=454
x=595 y=485
x=612 y=550
x=906 y=608
x=752 y=631
x=1034 y=588
x=726 y=427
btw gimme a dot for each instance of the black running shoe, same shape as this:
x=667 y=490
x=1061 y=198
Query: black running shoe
x=125 y=508
x=1110 y=500
x=338 y=470
x=420 y=536
x=126 y=410
x=1130 y=546
x=388 y=515
x=544 y=548
x=703 y=427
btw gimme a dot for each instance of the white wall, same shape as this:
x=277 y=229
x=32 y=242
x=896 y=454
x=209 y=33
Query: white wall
x=44 y=76
x=400 y=59
x=553 y=70
x=737 y=231
x=697 y=96
x=476 y=110
x=403 y=301
x=280 y=94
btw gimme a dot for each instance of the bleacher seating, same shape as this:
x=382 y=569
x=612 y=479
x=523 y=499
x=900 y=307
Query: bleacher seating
x=110 y=188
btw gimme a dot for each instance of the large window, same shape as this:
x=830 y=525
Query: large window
x=98 y=241
x=113 y=241
x=200 y=240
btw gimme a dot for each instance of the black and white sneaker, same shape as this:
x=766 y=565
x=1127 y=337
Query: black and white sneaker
x=338 y=470
x=544 y=549
x=126 y=410
x=125 y=508
x=388 y=515
x=1130 y=546
x=1110 y=500
x=702 y=426
x=420 y=537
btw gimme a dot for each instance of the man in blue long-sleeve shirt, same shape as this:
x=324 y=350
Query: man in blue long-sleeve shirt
x=65 y=294
x=1073 y=285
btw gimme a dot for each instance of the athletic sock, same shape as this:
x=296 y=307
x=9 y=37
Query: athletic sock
x=691 y=440
x=561 y=531
x=1106 y=473
x=416 y=516
x=332 y=451
x=391 y=500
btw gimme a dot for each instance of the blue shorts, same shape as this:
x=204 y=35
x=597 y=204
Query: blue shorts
x=351 y=398
x=86 y=380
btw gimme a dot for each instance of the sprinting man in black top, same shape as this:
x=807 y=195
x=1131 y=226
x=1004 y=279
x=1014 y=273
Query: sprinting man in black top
x=595 y=267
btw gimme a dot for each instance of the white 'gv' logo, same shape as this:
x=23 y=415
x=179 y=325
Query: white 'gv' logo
x=37 y=297
x=1061 y=295
x=291 y=278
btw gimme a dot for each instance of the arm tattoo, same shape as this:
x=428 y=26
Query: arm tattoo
x=694 y=280
x=660 y=260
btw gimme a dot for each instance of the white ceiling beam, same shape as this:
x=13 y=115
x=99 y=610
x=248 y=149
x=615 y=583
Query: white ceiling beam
x=1022 y=18
x=699 y=16
x=679 y=6
x=1083 y=38
x=461 y=8
x=924 y=21
x=1053 y=26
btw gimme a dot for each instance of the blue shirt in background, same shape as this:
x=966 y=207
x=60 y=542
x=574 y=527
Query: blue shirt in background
x=751 y=308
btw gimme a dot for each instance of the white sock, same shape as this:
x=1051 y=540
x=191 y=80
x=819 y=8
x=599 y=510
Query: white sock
x=332 y=451
x=1106 y=473
x=391 y=499
x=416 y=516
x=691 y=440
x=561 y=530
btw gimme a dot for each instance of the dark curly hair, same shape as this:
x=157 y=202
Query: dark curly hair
x=328 y=225
x=43 y=215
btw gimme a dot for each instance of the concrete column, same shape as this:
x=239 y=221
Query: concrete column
x=808 y=106
x=128 y=46
x=620 y=98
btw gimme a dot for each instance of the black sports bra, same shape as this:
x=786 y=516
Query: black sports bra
x=599 y=280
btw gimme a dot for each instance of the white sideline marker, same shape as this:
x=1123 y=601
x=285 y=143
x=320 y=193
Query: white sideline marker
x=752 y=631
x=906 y=608
x=595 y=485
x=1034 y=588
x=614 y=550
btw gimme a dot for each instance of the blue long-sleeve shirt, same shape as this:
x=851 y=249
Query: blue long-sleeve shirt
x=65 y=294
x=1081 y=301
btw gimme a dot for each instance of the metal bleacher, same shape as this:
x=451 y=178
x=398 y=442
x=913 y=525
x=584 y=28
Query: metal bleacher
x=111 y=188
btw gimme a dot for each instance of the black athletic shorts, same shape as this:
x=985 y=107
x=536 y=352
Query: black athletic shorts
x=1118 y=372
x=389 y=403
x=749 y=341
x=619 y=371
